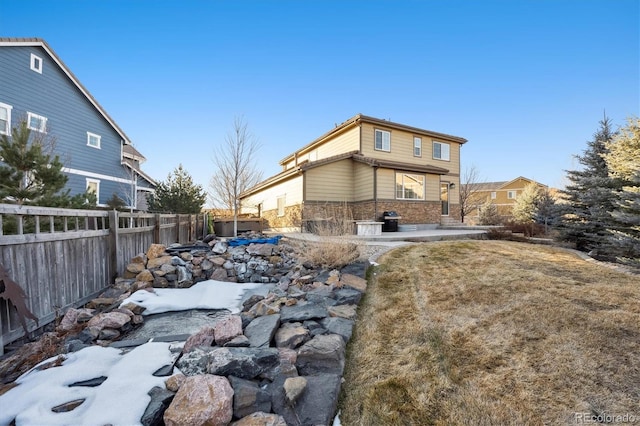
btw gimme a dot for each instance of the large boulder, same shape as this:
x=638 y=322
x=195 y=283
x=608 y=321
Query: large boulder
x=201 y=400
x=322 y=354
x=315 y=404
x=246 y=363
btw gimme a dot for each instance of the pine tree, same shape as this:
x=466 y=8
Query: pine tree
x=27 y=173
x=178 y=194
x=590 y=196
x=623 y=161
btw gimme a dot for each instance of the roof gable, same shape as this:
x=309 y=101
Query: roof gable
x=12 y=41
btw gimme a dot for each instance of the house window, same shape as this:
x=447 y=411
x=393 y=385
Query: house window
x=36 y=63
x=417 y=147
x=383 y=140
x=409 y=186
x=93 y=185
x=511 y=195
x=37 y=122
x=281 y=201
x=441 y=151
x=5 y=119
x=93 y=140
x=493 y=195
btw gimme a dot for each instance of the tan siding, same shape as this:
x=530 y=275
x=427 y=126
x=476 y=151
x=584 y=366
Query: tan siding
x=344 y=142
x=386 y=184
x=363 y=182
x=402 y=149
x=291 y=189
x=433 y=188
x=331 y=182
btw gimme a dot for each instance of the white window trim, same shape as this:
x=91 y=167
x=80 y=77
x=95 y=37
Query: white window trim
x=448 y=151
x=493 y=195
x=424 y=186
x=8 y=108
x=382 y=148
x=281 y=211
x=97 y=182
x=417 y=146
x=511 y=195
x=35 y=60
x=89 y=136
x=43 y=120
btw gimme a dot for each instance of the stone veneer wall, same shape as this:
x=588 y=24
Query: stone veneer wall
x=291 y=219
x=417 y=212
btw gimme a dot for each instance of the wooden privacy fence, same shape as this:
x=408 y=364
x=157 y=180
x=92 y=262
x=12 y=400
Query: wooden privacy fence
x=63 y=258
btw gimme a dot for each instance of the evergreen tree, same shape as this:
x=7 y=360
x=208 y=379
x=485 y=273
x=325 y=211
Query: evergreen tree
x=547 y=209
x=178 y=194
x=623 y=161
x=27 y=174
x=590 y=196
x=488 y=214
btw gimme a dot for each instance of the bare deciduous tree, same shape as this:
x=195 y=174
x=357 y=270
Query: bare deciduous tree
x=237 y=169
x=469 y=187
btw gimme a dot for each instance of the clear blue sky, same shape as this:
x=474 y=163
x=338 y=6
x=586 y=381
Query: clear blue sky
x=526 y=82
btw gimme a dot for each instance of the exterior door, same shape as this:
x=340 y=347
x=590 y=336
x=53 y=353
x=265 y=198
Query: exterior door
x=444 y=198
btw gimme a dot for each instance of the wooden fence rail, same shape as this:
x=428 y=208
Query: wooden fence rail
x=63 y=258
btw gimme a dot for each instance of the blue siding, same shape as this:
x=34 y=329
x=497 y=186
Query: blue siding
x=70 y=115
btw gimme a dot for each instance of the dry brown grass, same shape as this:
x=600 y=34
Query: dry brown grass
x=493 y=333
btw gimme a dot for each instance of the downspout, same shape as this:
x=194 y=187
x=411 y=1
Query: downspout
x=375 y=192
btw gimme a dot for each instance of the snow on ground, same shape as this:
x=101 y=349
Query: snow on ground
x=122 y=398
x=119 y=400
x=209 y=294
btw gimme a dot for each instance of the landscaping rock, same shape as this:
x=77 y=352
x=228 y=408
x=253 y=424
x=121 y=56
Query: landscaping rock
x=291 y=337
x=160 y=400
x=248 y=397
x=347 y=296
x=261 y=330
x=316 y=405
x=293 y=388
x=228 y=329
x=204 y=337
x=261 y=419
x=322 y=354
x=354 y=282
x=303 y=312
x=109 y=320
x=246 y=363
x=340 y=326
x=201 y=400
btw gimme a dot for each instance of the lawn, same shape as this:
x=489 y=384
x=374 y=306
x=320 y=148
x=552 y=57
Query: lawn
x=493 y=333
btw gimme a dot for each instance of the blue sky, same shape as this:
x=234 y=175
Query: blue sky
x=526 y=82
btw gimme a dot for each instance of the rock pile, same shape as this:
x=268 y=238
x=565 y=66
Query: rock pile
x=277 y=362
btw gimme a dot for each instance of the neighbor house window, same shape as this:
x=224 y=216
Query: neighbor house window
x=5 y=119
x=36 y=122
x=383 y=140
x=493 y=195
x=409 y=186
x=511 y=195
x=281 y=201
x=36 y=63
x=93 y=185
x=93 y=140
x=441 y=151
x=417 y=147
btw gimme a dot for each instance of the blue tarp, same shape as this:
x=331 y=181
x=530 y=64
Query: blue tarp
x=239 y=241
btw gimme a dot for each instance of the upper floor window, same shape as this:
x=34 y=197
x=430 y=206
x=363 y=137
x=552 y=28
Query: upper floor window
x=383 y=140
x=93 y=140
x=36 y=63
x=417 y=147
x=5 y=119
x=37 y=122
x=409 y=186
x=493 y=195
x=441 y=151
x=511 y=195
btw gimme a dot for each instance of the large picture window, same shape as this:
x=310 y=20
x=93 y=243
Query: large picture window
x=383 y=140
x=409 y=186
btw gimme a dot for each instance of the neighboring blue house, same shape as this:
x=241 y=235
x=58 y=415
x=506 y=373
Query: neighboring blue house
x=35 y=85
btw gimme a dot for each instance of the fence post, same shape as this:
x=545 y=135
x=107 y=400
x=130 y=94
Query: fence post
x=113 y=243
x=156 y=229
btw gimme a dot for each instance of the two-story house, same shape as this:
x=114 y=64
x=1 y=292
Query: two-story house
x=372 y=166
x=36 y=86
x=502 y=194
